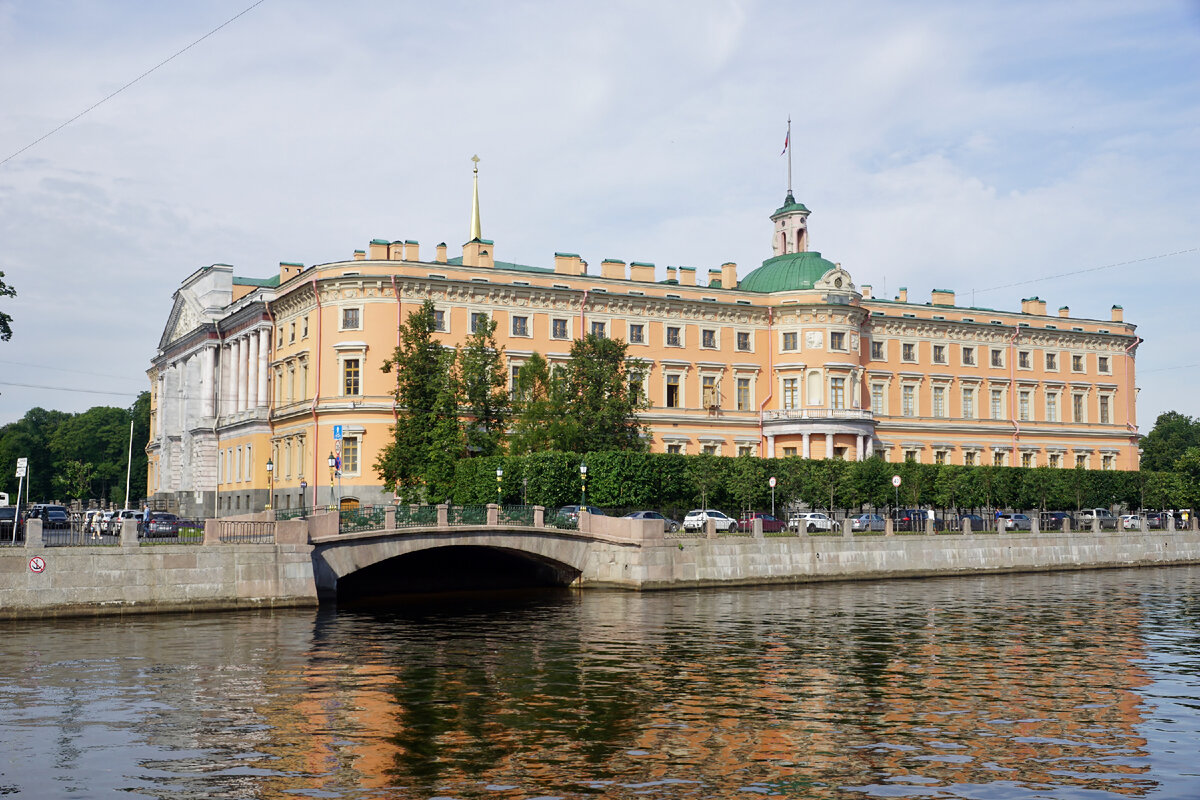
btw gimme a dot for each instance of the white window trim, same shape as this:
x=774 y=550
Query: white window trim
x=916 y=350
x=343 y=357
x=570 y=329
x=342 y=317
x=1029 y=353
x=749 y=339
x=783 y=348
x=512 y=323
x=682 y=336
x=716 y=345
x=629 y=334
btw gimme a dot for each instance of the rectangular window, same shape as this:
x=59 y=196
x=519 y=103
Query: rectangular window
x=968 y=356
x=558 y=329
x=708 y=383
x=1107 y=463
x=598 y=330
x=908 y=352
x=939 y=354
x=673 y=336
x=1081 y=461
x=674 y=448
x=790 y=397
x=1102 y=365
x=673 y=398
x=745 y=450
x=912 y=456
x=1077 y=363
x=1023 y=405
x=997 y=459
x=939 y=456
x=1027 y=460
x=1104 y=420
x=520 y=326
x=837 y=340
x=877 y=353
x=514 y=373
x=789 y=341
x=1077 y=407
x=789 y=452
x=1024 y=360
x=291 y=332
x=351 y=374
x=1052 y=407
x=637 y=387
x=908 y=401
x=477 y=318
x=997 y=358
x=439 y=320
x=637 y=334
x=708 y=338
x=969 y=459
x=837 y=392
x=1054 y=460
x=939 y=401
x=1052 y=361
x=743 y=341
x=997 y=404
x=968 y=403
x=350 y=319
x=709 y=449
x=291 y=384
x=304 y=327
x=743 y=394
x=350 y=455
x=877 y=398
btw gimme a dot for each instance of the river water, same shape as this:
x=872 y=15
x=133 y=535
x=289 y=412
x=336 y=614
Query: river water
x=1066 y=685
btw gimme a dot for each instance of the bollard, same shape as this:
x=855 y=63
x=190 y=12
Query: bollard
x=539 y=516
x=710 y=528
x=1095 y=522
x=966 y=526
x=33 y=533
x=847 y=528
x=129 y=533
x=493 y=516
x=443 y=515
x=756 y=528
x=1035 y=524
x=889 y=527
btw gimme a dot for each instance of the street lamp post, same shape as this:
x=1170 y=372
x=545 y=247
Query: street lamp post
x=583 y=481
x=332 y=461
x=499 y=477
x=270 y=481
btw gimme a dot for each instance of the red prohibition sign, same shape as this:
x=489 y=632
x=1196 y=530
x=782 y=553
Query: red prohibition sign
x=37 y=564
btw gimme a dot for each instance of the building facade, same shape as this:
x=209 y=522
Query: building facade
x=794 y=359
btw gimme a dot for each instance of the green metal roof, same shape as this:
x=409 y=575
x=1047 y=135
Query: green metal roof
x=788 y=272
x=457 y=261
x=789 y=204
x=271 y=282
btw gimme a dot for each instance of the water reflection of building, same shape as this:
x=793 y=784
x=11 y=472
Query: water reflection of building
x=815 y=687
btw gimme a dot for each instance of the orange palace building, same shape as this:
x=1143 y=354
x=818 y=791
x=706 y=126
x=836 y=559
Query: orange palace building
x=794 y=359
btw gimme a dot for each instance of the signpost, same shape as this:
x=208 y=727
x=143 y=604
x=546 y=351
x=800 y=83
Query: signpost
x=772 y=483
x=337 y=465
x=22 y=470
x=896 y=485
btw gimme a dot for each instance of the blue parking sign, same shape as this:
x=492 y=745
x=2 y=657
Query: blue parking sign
x=337 y=433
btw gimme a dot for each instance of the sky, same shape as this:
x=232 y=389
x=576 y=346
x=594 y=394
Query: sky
x=999 y=149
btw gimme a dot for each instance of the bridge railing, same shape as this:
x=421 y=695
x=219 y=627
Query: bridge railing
x=466 y=515
x=516 y=515
x=416 y=516
x=363 y=518
x=246 y=532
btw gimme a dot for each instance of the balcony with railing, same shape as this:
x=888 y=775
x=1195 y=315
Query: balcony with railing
x=822 y=414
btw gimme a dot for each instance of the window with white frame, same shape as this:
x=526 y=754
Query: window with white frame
x=1054 y=460
x=908 y=400
x=1027 y=460
x=939 y=401
x=1024 y=359
x=350 y=455
x=674 y=398
x=997 y=357
x=1081 y=460
x=968 y=402
x=1079 y=407
x=558 y=329
x=837 y=340
x=744 y=401
x=478 y=318
x=877 y=398
x=1023 y=399
x=351 y=377
x=1105 y=404
x=837 y=392
x=968 y=356
x=674 y=336
x=969 y=458
x=878 y=353
x=790 y=341
x=791 y=393
x=940 y=456
x=1103 y=365
x=939 y=354
x=637 y=333
x=708 y=338
x=1051 y=406
x=1108 y=463
x=439 y=320
x=1077 y=363
x=997 y=404
x=1052 y=362
x=708 y=391
x=599 y=329
x=520 y=326
x=743 y=341
x=352 y=318
x=998 y=458
x=908 y=352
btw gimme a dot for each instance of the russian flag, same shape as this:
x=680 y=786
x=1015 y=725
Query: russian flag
x=787 y=140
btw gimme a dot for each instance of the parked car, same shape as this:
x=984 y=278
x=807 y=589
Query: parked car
x=1131 y=522
x=8 y=518
x=572 y=512
x=978 y=523
x=160 y=523
x=1108 y=520
x=1055 y=520
x=695 y=520
x=52 y=516
x=1014 y=522
x=1156 y=520
x=910 y=519
x=769 y=524
x=811 y=521
x=868 y=522
x=118 y=517
x=669 y=525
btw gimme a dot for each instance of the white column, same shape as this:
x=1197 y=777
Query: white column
x=858 y=447
x=235 y=360
x=829 y=445
x=870 y=446
x=160 y=412
x=264 y=364
x=242 y=368
x=770 y=447
x=807 y=453
x=252 y=370
x=207 y=381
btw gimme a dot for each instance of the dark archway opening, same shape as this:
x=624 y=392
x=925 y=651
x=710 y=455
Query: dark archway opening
x=454 y=569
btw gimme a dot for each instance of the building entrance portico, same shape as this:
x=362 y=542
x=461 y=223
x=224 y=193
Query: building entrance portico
x=820 y=433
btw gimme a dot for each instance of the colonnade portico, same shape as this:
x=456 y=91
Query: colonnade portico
x=244 y=369
x=788 y=427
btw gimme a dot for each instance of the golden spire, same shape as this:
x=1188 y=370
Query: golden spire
x=476 y=231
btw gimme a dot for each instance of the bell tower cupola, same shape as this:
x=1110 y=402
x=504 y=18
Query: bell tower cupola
x=791 y=219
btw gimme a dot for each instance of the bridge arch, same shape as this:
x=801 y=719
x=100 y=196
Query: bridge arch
x=422 y=561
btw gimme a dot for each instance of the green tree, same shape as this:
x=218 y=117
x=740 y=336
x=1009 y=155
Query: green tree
x=100 y=437
x=1187 y=468
x=6 y=319
x=74 y=479
x=481 y=383
x=446 y=442
x=599 y=397
x=421 y=376
x=1173 y=433
x=540 y=421
x=29 y=437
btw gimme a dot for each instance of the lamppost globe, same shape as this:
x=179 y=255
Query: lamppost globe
x=583 y=482
x=499 y=478
x=270 y=481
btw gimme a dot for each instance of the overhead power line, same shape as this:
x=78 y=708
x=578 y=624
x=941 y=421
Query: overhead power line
x=1088 y=269
x=131 y=83
x=68 y=389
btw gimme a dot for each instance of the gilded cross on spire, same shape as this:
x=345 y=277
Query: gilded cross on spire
x=476 y=231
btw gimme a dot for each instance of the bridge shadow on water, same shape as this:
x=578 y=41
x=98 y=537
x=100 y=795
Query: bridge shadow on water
x=457 y=571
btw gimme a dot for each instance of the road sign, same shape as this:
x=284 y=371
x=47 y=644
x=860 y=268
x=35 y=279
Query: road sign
x=337 y=433
x=37 y=564
x=303 y=485
x=896 y=481
x=22 y=467
x=771 y=483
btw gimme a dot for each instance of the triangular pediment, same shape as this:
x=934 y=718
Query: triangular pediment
x=185 y=317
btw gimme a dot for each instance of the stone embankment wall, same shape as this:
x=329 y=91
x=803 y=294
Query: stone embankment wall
x=680 y=563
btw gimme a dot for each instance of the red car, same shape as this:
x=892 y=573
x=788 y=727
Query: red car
x=769 y=523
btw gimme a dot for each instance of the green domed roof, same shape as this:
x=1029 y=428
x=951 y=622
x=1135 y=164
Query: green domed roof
x=788 y=272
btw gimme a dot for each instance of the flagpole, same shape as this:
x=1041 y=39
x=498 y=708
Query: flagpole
x=129 y=465
x=789 y=152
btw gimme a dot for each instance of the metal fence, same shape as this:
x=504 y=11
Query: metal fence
x=467 y=515
x=516 y=515
x=241 y=532
x=363 y=518
x=416 y=516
